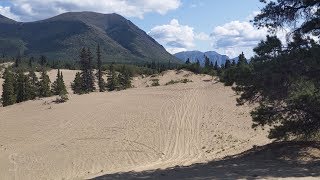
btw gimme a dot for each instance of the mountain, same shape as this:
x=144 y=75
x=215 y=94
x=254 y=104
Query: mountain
x=5 y=20
x=61 y=38
x=198 y=55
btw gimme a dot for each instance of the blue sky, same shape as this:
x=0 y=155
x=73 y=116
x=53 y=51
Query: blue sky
x=179 y=25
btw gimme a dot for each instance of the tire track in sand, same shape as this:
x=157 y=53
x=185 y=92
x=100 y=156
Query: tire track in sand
x=179 y=136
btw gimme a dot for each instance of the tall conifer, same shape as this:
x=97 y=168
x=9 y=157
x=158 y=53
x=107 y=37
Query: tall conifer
x=8 y=94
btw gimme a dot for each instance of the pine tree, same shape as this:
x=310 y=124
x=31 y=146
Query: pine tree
x=21 y=87
x=33 y=88
x=91 y=85
x=125 y=78
x=87 y=75
x=44 y=89
x=62 y=86
x=197 y=66
x=188 y=61
x=211 y=65
x=17 y=61
x=43 y=61
x=233 y=62
x=77 y=84
x=242 y=60
x=206 y=62
x=31 y=59
x=8 y=93
x=227 y=64
x=112 y=83
x=216 y=66
x=101 y=82
x=58 y=86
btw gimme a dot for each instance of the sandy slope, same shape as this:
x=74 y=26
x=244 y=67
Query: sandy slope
x=137 y=129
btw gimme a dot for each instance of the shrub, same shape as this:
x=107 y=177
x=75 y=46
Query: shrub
x=155 y=82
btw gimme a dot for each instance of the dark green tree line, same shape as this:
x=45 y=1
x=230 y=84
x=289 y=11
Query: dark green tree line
x=284 y=81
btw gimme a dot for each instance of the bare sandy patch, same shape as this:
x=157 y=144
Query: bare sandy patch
x=136 y=129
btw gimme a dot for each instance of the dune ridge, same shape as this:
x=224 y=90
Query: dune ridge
x=139 y=129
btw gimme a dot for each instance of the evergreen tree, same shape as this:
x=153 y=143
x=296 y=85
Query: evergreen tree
x=125 y=78
x=285 y=82
x=242 y=60
x=233 y=62
x=101 y=82
x=197 y=67
x=17 y=61
x=31 y=60
x=43 y=61
x=8 y=93
x=58 y=86
x=87 y=75
x=211 y=65
x=91 y=85
x=44 y=85
x=227 y=64
x=77 y=84
x=33 y=85
x=188 y=61
x=216 y=66
x=112 y=83
x=206 y=62
x=21 y=87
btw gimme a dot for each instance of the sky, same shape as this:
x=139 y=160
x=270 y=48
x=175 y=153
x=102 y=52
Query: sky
x=178 y=25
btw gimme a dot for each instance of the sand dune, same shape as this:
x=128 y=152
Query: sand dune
x=133 y=130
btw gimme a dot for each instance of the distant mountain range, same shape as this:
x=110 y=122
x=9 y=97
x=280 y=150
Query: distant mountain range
x=198 y=55
x=62 y=37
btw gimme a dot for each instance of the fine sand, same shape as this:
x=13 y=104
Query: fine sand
x=139 y=129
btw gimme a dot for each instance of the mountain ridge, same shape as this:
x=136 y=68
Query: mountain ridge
x=61 y=37
x=199 y=55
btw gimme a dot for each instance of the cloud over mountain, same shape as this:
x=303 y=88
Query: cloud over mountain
x=28 y=10
x=176 y=37
x=236 y=36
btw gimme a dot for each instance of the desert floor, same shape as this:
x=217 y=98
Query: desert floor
x=140 y=129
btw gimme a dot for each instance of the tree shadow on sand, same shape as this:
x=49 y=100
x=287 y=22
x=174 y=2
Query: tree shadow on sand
x=276 y=160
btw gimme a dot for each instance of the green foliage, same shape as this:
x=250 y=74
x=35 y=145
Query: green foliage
x=87 y=71
x=76 y=85
x=33 y=87
x=8 y=94
x=236 y=73
x=125 y=78
x=155 y=82
x=112 y=81
x=285 y=83
x=21 y=88
x=62 y=98
x=178 y=81
x=282 y=13
x=43 y=61
x=188 y=61
x=58 y=86
x=44 y=85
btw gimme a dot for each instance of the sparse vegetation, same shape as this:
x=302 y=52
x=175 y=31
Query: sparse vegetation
x=155 y=82
x=178 y=81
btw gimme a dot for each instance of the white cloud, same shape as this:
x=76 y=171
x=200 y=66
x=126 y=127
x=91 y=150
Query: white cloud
x=176 y=37
x=30 y=10
x=196 y=4
x=6 y=11
x=202 y=36
x=235 y=37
